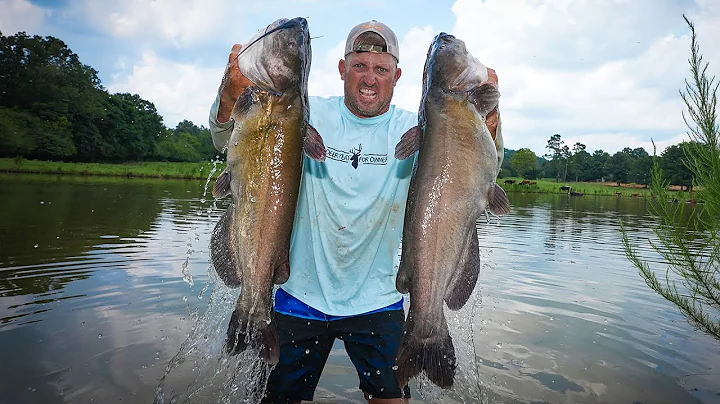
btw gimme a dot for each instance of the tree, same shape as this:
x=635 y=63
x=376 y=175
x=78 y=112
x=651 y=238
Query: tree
x=619 y=166
x=579 y=162
x=559 y=154
x=524 y=162
x=598 y=163
x=688 y=239
x=674 y=165
x=53 y=107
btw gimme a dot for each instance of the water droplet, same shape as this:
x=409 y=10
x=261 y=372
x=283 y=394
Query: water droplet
x=99 y=335
x=395 y=367
x=377 y=371
x=307 y=351
x=35 y=246
x=499 y=345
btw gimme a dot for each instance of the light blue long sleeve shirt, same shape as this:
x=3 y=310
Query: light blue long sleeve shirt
x=349 y=218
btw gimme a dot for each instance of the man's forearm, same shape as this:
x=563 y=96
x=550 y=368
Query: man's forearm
x=220 y=130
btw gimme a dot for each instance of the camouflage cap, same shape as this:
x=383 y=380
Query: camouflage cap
x=391 y=43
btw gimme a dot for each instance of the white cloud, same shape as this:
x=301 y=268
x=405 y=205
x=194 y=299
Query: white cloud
x=606 y=72
x=178 y=90
x=413 y=51
x=180 y=22
x=21 y=15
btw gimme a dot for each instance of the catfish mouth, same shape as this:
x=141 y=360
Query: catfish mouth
x=449 y=65
x=278 y=25
x=278 y=56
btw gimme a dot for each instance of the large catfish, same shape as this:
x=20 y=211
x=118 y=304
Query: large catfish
x=452 y=186
x=249 y=246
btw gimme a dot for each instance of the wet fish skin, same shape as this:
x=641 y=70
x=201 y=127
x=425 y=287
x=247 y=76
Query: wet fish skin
x=250 y=244
x=453 y=185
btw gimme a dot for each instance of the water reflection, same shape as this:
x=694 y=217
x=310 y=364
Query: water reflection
x=101 y=281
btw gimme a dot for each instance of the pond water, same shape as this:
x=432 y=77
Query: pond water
x=102 y=280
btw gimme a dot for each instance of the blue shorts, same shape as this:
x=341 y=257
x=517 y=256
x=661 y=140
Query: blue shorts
x=371 y=341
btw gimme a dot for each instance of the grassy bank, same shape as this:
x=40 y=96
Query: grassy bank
x=550 y=186
x=202 y=170
x=152 y=169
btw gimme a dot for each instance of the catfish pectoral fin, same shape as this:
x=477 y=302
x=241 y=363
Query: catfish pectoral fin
x=409 y=143
x=221 y=188
x=498 y=201
x=433 y=354
x=484 y=97
x=313 y=145
x=222 y=251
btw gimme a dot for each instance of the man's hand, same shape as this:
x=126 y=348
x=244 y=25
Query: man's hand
x=492 y=118
x=232 y=85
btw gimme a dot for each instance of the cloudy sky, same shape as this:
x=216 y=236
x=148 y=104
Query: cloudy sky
x=605 y=73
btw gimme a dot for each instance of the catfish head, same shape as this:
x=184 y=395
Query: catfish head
x=451 y=67
x=277 y=58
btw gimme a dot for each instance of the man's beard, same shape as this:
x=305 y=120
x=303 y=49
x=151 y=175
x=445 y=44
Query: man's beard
x=367 y=112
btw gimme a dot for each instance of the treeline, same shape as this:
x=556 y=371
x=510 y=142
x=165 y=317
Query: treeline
x=577 y=164
x=53 y=107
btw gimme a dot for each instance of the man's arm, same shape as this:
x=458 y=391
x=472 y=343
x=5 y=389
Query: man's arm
x=492 y=120
x=232 y=85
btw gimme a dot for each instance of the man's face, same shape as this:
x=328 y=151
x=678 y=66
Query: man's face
x=369 y=82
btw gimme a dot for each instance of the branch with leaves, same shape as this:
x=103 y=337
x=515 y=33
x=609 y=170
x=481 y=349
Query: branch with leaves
x=687 y=236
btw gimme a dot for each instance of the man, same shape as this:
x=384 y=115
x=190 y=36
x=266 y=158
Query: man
x=348 y=224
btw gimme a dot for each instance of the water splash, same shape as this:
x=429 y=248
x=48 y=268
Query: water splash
x=468 y=386
x=201 y=371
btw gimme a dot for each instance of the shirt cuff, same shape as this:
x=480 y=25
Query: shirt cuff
x=220 y=131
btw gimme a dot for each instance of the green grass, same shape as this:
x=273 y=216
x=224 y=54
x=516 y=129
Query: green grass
x=550 y=186
x=157 y=169
x=152 y=169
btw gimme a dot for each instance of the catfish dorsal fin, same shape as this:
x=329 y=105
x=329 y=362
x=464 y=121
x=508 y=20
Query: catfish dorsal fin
x=409 y=143
x=485 y=97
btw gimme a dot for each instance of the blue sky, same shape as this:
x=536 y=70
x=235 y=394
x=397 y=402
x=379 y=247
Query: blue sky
x=605 y=73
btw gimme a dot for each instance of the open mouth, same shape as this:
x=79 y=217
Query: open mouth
x=368 y=93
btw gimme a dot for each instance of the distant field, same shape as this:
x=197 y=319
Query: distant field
x=202 y=170
x=585 y=188
x=141 y=169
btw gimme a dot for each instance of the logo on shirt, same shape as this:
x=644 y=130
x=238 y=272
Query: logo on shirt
x=355 y=157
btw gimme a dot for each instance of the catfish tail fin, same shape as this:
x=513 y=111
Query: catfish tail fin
x=434 y=354
x=243 y=333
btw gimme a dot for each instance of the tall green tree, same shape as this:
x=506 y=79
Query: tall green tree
x=641 y=166
x=673 y=163
x=524 y=162
x=53 y=107
x=597 y=168
x=688 y=238
x=558 y=155
x=619 y=165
